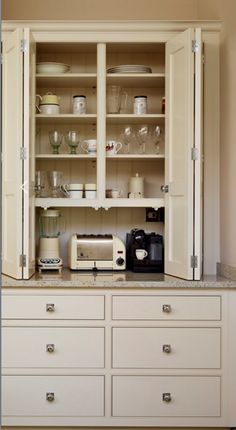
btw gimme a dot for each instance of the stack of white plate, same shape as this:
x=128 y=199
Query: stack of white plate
x=52 y=68
x=130 y=68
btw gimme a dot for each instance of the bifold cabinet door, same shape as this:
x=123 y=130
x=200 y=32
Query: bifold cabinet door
x=183 y=138
x=18 y=160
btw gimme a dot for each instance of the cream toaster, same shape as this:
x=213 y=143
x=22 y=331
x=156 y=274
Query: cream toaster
x=96 y=252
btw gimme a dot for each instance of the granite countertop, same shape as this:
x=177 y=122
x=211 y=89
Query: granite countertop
x=126 y=279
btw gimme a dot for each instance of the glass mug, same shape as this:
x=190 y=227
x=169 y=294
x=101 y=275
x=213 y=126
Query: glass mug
x=116 y=99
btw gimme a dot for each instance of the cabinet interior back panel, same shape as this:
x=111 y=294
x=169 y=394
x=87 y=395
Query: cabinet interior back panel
x=81 y=61
x=118 y=221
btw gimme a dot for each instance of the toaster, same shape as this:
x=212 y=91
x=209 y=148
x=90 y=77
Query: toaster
x=96 y=252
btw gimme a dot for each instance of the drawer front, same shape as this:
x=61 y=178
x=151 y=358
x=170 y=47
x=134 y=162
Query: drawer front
x=170 y=396
x=53 y=347
x=67 y=396
x=166 y=347
x=53 y=307
x=166 y=308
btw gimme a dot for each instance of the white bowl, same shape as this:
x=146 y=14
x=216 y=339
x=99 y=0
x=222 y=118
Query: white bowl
x=52 y=68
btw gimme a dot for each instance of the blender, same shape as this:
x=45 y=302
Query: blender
x=50 y=224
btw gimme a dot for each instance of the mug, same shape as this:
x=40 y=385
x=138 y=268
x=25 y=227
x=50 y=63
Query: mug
x=113 y=194
x=74 y=191
x=48 y=104
x=90 y=191
x=90 y=146
x=141 y=254
x=112 y=147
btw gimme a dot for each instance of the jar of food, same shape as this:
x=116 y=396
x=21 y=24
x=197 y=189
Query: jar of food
x=140 y=105
x=79 y=104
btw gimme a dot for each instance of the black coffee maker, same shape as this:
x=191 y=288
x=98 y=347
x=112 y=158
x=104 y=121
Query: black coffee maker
x=152 y=243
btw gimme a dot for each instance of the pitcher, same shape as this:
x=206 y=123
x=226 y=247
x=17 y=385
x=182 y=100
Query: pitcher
x=116 y=99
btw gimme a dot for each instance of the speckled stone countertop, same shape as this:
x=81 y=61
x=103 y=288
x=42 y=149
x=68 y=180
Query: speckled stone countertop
x=68 y=279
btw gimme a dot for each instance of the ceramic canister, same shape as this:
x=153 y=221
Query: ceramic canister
x=136 y=186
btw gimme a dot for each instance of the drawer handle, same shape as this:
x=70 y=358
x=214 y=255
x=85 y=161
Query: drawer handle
x=50 y=397
x=166 y=348
x=166 y=397
x=50 y=347
x=50 y=307
x=166 y=308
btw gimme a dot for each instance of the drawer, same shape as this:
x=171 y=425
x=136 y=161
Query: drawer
x=53 y=347
x=166 y=308
x=166 y=396
x=53 y=307
x=71 y=396
x=166 y=348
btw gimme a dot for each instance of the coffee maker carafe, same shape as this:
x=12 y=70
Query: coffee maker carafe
x=51 y=225
x=144 y=251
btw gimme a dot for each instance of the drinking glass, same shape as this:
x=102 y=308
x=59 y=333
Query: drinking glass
x=40 y=178
x=55 y=178
x=55 y=138
x=142 y=135
x=127 y=135
x=116 y=99
x=156 y=135
x=72 y=139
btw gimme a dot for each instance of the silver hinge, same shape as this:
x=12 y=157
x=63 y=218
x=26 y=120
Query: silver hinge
x=23 y=154
x=23 y=45
x=23 y=260
x=195 y=46
x=194 y=154
x=194 y=261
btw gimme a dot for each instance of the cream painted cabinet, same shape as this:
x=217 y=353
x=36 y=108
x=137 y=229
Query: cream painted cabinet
x=173 y=161
x=112 y=369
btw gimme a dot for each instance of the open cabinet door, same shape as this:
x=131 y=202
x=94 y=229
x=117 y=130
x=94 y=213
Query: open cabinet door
x=182 y=211
x=29 y=161
x=12 y=164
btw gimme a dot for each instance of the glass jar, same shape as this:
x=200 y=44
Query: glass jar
x=140 y=105
x=79 y=104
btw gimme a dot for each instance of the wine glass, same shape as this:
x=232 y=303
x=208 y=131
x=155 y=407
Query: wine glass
x=72 y=139
x=156 y=134
x=127 y=134
x=142 y=135
x=55 y=138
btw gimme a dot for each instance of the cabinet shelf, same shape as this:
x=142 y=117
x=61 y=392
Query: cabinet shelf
x=136 y=157
x=135 y=119
x=66 y=118
x=134 y=80
x=68 y=80
x=66 y=156
x=94 y=203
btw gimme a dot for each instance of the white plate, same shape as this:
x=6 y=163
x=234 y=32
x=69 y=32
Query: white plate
x=52 y=68
x=130 y=68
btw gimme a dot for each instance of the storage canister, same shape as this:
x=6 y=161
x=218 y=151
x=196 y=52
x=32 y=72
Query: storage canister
x=136 y=187
x=79 y=104
x=140 y=105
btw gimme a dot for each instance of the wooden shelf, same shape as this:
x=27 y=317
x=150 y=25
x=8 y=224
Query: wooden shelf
x=94 y=203
x=67 y=80
x=134 y=80
x=135 y=119
x=66 y=119
x=136 y=157
x=66 y=156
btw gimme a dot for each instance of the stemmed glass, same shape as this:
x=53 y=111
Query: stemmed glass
x=142 y=135
x=55 y=138
x=72 y=139
x=127 y=134
x=156 y=134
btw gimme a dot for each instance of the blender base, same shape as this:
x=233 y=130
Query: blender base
x=49 y=264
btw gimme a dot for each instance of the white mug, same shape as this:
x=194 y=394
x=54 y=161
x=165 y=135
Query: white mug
x=90 y=146
x=113 y=193
x=113 y=147
x=74 y=191
x=90 y=191
x=49 y=109
x=141 y=253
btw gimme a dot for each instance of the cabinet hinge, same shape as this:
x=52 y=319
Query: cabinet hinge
x=195 y=46
x=23 y=260
x=23 y=154
x=203 y=59
x=23 y=45
x=194 y=154
x=194 y=262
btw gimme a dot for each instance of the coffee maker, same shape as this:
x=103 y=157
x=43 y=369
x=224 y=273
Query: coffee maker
x=150 y=261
